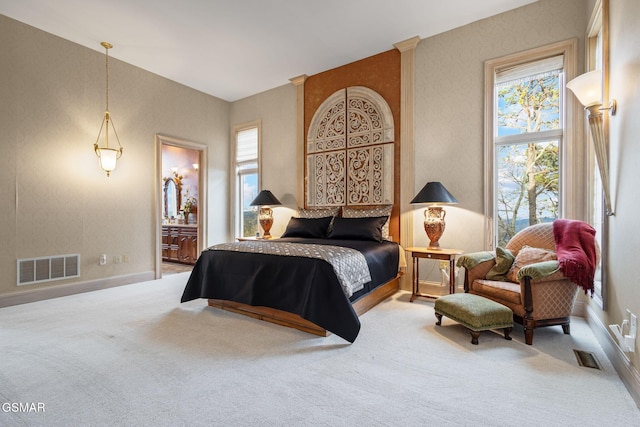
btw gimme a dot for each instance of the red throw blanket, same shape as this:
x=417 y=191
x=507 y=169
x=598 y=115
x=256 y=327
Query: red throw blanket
x=576 y=250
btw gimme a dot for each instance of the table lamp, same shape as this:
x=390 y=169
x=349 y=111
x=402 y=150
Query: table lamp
x=265 y=215
x=434 y=194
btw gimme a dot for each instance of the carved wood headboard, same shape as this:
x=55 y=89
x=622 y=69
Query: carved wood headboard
x=350 y=155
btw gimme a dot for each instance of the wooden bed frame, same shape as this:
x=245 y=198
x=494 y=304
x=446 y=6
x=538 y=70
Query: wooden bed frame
x=290 y=320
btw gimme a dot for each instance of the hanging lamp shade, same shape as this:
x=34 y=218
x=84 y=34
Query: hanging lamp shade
x=108 y=158
x=107 y=155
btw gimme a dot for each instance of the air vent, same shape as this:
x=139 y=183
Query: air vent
x=587 y=359
x=47 y=269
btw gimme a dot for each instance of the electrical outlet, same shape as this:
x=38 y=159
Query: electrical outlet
x=444 y=265
x=103 y=259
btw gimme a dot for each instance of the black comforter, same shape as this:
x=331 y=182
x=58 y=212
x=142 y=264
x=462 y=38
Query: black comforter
x=304 y=286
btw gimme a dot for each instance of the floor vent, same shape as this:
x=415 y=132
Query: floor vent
x=587 y=359
x=46 y=269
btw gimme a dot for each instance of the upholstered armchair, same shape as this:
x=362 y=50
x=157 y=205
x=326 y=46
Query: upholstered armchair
x=526 y=278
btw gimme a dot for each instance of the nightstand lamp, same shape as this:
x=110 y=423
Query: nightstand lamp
x=265 y=215
x=433 y=195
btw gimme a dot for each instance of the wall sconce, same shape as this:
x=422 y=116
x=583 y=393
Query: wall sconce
x=265 y=215
x=588 y=89
x=107 y=156
x=196 y=167
x=433 y=194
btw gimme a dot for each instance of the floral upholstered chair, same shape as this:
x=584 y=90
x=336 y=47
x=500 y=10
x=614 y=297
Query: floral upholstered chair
x=527 y=277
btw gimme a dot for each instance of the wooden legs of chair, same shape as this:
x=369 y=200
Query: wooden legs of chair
x=530 y=324
x=528 y=333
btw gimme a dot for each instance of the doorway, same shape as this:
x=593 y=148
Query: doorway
x=181 y=203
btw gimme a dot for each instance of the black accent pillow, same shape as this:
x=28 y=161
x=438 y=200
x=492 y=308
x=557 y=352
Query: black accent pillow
x=307 y=227
x=358 y=228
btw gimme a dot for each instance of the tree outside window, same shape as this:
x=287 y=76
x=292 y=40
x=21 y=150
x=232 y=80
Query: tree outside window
x=527 y=145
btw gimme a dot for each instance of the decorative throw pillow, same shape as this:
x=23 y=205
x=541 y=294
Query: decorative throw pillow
x=378 y=211
x=317 y=212
x=307 y=227
x=369 y=228
x=320 y=213
x=504 y=260
x=526 y=256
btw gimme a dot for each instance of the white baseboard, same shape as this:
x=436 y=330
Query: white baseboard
x=40 y=294
x=621 y=363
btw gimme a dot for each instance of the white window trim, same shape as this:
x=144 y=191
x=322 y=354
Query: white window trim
x=572 y=194
x=598 y=24
x=233 y=177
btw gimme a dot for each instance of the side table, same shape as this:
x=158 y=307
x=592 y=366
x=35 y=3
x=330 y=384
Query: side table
x=439 y=254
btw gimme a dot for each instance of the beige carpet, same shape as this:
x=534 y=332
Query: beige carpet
x=135 y=356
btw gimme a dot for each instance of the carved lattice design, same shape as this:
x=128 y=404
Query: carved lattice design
x=365 y=125
x=368 y=178
x=361 y=180
x=328 y=129
x=350 y=150
x=331 y=130
x=327 y=179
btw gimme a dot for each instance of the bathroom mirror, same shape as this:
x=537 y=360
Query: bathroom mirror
x=172 y=187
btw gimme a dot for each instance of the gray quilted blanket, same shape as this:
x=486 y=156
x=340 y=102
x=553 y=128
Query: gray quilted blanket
x=349 y=265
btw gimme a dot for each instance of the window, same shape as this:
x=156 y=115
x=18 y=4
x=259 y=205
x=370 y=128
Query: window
x=525 y=140
x=246 y=182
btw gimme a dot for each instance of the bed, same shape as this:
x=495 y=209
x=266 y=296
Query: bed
x=351 y=207
x=292 y=282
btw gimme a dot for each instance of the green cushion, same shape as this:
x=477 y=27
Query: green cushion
x=504 y=259
x=474 y=312
x=469 y=261
x=538 y=270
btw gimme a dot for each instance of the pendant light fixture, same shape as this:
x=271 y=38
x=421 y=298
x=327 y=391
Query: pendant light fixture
x=107 y=155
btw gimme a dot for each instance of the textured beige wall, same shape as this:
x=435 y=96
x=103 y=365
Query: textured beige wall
x=449 y=105
x=276 y=108
x=54 y=197
x=624 y=239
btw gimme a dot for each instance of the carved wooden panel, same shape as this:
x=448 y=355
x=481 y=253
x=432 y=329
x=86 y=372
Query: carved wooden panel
x=350 y=155
x=370 y=175
x=370 y=119
x=328 y=129
x=326 y=179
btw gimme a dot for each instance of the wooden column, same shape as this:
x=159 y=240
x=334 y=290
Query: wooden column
x=407 y=167
x=298 y=82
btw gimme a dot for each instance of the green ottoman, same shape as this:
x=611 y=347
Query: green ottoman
x=475 y=313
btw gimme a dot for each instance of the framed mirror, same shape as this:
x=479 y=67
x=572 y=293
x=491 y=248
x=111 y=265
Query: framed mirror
x=172 y=197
